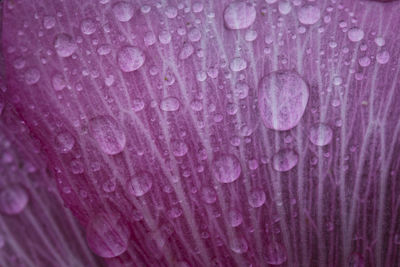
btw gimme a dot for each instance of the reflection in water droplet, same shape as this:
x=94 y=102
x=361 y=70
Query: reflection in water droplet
x=140 y=184
x=226 y=169
x=320 y=134
x=123 y=11
x=285 y=160
x=106 y=236
x=64 y=45
x=130 y=58
x=239 y=15
x=108 y=134
x=13 y=199
x=283 y=96
x=169 y=104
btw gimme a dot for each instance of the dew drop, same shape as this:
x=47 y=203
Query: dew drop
x=208 y=195
x=76 y=166
x=284 y=7
x=164 y=37
x=32 y=76
x=49 y=22
x=88 y=26
x=309 y=15
x=149 y=38
x=226 y=169
x=380 y=41
x=194 y=35
x=320 y=134
x=250 y=35
x=108 y=134
x=383 y=57
x=64 y=45
x=13 y=199
x=130 y=58
x=283 y=96
x=238 y=64
x=241 y=90
x=106 y=236
x=169 y=104
x=58 y=82
x=171 y=12
x=239 y=245
x=256 y=198
x=179 y=148
x=137 y=104
x=355 y=34
x=140 y=184
x=104 y=49
x=64 y=142
x=239 y=15
x=275 y=253
x=285 y=160
x=123 y=11
x=235 y=218
x=186 y=51
x=197 y=7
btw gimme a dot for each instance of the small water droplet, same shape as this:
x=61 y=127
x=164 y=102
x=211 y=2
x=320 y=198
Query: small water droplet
x=250 y=35
x=256 y=198
x=194 y=35
x=130 y=58
x=179 y=148
x=283 y=96
x=137 y=104
x=239 y=15
x=49 y=22
x=186 y=51
x=58 y=82
x=169 y=104
x=284 y=7
x=104 y=49
x=108 y=134
x=383 y=57
x=13 y=199
x=208 y=195
x=285 y=160
x=149 y=38
x=123 y=11
x=239 y=245
x=380 y=41
x=64 y=142
x=140 y=184
x=235 y=218
x=238 y=64
x=275 y=253
x=88 y=26
x=64 y=45
x=171 y=12
x=164 y=37
x=355 y=34
x=309 y=15
x=77 y=166
x=320 y=134
x=32 y=76
x=226 y=169
x=107 y=236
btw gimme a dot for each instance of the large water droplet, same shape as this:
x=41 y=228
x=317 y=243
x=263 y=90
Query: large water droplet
x=140 y=184
x=108 y=134
x=13 y=199
x=320 y=134
x=256 y=198
x=283 y=96
x=64 y=142
x=64 y=45
x=169 y=104
x=32 y=76
x=285 y=160
x=355 y=34
x=226 y=169
x=123 y=11
x=239 y=15
x=309 y=15
x=106 y=236
x=275 y=253
x=130 y=58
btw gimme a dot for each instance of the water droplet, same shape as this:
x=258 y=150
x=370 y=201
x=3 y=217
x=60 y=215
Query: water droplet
x=130 y=58
x=169 y=104
x=13 y=199
x=108 y=134
x=364 y=61
x=208 y=195
x=238 y=64
x=226 y=169
x=285 y=160
x=250 y=35
x=123 y=11
x=164 y=37
x=355 y=34
x=309 y=15
x=239 y=15
x=32 y=76
x=380 y=41
x=283 y=96
x=197 y=7
x=140 y=184
x=284 y=8
x=49 y=22
x=77 y=166
x=383 y=57
x=194 y=35
x=88 y=26
x=239 y=245
x=149 y=38
x=320 y=134
x=256 y=198
x=235 y=218
x=104 y=49
x=58 y=82
x=187 y=51
x=107 y=236
x=241 y=90
x=275 y=253
x=64 y=45
x=179 y=148
x=137 y=104
x=64 y=142
x=171 y=12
